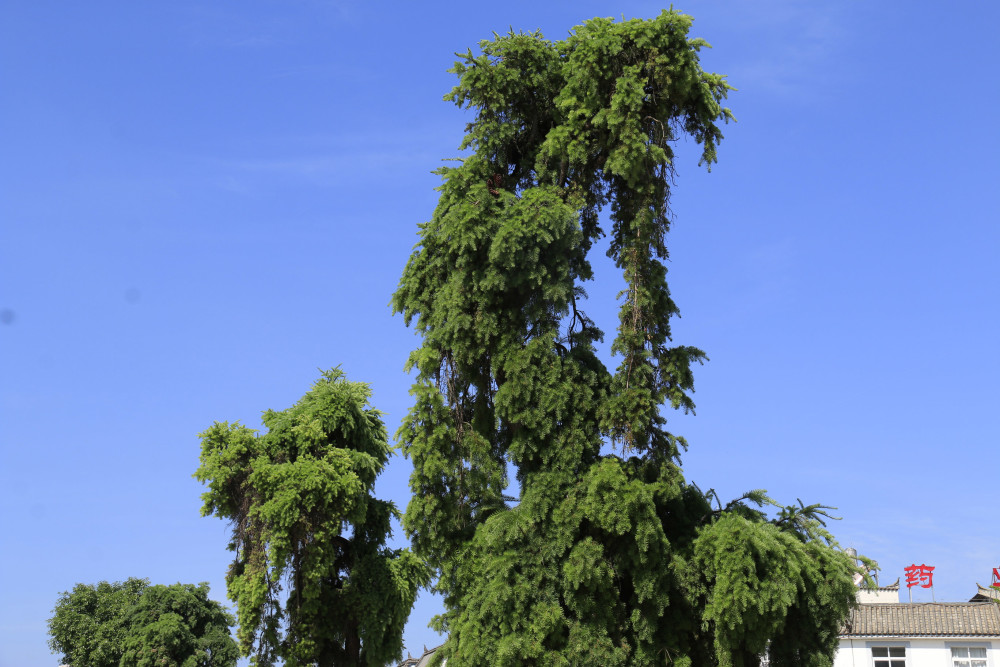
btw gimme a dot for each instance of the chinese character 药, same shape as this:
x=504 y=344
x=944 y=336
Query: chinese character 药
x=919 y=574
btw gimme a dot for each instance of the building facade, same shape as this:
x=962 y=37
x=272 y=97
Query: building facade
x=889 y=633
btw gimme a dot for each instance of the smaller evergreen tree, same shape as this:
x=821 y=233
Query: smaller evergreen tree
x=312 y=578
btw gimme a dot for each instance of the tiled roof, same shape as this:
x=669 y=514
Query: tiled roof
x=423 y=660
x=986 y=593
x=924 y=619
x=894 y=586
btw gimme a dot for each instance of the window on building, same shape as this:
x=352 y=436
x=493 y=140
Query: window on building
x=968 y=656
x=889 y=656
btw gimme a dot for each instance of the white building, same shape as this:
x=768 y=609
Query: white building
x=883 y=632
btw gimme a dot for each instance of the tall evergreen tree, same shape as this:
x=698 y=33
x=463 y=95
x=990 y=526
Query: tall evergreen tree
x=608 y=556
x=312 y=578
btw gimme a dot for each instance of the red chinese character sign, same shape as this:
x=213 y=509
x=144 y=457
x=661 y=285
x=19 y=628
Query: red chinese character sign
x=922 y=575
x=996 y=578
x=919 y=575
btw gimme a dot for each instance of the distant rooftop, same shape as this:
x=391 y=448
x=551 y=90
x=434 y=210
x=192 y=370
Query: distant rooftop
x=894 y=586
x=986 y=593
x=924 y=619
x=422 y=661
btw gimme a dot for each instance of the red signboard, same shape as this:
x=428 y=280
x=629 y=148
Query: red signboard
x=922 y=575
x=996 y=577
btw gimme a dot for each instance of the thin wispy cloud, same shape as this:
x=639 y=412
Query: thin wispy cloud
x=792 y=42
x=249 y=41
x=320 y=170
x=333 y=163
x=218 y=26
x=323 y=71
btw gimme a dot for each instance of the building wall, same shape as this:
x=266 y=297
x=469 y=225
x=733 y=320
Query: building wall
x=878 y=595
x=919 y=652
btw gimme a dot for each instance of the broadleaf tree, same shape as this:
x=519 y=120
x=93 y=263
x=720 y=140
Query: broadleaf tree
x=313 y=579
x=178 y=626
x=133 y=624
x=608 y=555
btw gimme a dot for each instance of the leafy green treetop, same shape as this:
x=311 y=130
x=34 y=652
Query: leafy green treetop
x=178 y=626
x=89 y=624
x=608 y=556
x=133 y=624
x=312 y=578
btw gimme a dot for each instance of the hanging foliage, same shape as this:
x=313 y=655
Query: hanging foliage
x=608 y=556
x=313 y=580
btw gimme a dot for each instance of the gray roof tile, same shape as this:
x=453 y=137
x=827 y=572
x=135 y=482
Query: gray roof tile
x=924 y=619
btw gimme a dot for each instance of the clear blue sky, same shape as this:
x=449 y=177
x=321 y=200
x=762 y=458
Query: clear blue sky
x=202 y=203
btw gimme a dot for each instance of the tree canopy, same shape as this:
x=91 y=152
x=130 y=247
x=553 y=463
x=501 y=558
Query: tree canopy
x=133 y=624
x=608 y=555
x=312 y=578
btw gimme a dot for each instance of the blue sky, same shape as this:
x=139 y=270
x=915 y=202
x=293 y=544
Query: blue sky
x=202 y=203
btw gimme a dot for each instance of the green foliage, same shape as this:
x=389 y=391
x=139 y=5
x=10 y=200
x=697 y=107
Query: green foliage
x=178 y=626
x=608 y=556
x=89 y=625
x=312 y=578
x=133 y=624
